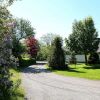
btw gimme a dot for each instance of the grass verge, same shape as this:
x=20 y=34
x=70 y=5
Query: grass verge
x=81 y=70
x=19 y=91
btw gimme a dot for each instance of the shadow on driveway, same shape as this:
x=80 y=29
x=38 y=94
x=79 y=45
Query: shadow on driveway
x=35 y=70
x=38 y=68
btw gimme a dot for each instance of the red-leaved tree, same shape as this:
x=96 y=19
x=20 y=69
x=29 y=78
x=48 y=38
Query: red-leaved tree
x=32 y=45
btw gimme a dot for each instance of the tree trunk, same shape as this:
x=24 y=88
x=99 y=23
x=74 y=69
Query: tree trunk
x=20 y=59
x=86 y=59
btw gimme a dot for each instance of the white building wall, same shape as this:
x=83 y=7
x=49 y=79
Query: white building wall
x=99 y=56
x=80 y=58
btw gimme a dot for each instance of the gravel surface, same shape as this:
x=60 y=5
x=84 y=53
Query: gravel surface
x=41 y=84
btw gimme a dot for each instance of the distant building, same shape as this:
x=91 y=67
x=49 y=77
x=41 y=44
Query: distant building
x=80 y=57
x=98 y=51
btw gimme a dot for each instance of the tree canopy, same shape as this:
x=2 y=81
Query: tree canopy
x=6 y=2
x=84 y=37
x=48 y=38
x=22 y=29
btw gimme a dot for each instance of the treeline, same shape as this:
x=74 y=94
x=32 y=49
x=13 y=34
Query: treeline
x=83 y=40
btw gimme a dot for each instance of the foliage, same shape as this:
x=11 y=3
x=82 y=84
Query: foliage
x=18 y=48
x=27 y=62
x=48 y=38
x=45 y=46
x=93 y=58
x=22 y=29
x=32 y=45
x=56 y=59
x=83 y=38
x=43 y=52
x=6 y=57
x=6 y=2
x=17 y=90
x=7 y=86
x=5 y=18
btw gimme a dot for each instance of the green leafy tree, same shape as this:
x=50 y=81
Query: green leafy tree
x=84 y=37
x=56 y=59
x=17 y=49
x=45 y=46
x=48 y=38
x=43 y=52
x=22 y=29
x=6 y=2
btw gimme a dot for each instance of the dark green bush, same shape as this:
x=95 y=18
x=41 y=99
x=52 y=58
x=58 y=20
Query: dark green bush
x=27 y=62
x=93 y=58
x=56 y=58
x=5 y=84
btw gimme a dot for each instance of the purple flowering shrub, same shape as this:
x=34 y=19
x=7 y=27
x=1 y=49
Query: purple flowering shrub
x=6 y=61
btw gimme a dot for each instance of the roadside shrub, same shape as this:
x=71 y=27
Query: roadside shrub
x=56 y=58
x=93 y=58
x=27 y=62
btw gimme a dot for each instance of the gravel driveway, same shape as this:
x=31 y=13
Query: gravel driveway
x=41 y=84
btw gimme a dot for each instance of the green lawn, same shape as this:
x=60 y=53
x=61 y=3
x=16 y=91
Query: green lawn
x=19 y=92
x=82 y=71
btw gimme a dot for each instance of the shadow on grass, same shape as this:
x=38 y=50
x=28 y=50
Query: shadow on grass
x=72 y=70
x=18 y=95
x=77 y=64
x=95 y=66
x=68 y=70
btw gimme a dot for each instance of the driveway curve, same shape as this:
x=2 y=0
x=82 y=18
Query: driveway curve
x=41 y=84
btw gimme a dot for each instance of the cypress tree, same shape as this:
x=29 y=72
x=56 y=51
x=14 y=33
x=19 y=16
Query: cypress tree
x=57 y=57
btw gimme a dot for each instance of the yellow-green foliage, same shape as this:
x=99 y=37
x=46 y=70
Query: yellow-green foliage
x=19 y=92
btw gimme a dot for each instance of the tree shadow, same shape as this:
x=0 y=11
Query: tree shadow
x=95 y=66
x=69 y=70
x=72 y=70
x=35 y=70
x=77 y=64
x=18 y=95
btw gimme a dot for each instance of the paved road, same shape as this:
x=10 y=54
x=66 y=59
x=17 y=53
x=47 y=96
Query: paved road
x=41 y=84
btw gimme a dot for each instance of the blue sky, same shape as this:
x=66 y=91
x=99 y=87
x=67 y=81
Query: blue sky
x=56 y=16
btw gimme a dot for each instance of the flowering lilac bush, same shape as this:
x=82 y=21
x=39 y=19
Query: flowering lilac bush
x=6 y=58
